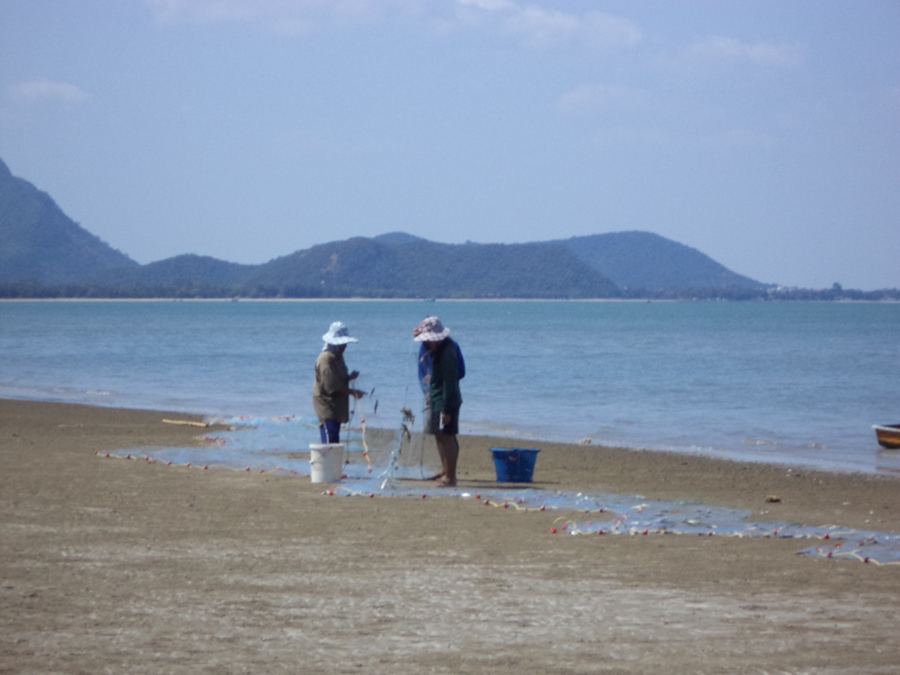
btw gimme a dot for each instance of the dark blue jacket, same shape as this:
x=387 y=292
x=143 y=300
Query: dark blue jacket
x=425 y=365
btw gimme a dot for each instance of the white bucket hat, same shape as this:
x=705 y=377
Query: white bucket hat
x=430 y=330
x=338 y=335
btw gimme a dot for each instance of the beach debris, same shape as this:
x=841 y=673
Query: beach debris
x=585 y=441
x=773 y=499
x=186 y=422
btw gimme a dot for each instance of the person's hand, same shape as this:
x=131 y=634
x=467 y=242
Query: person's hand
x=445 y=419
x=354 y=374
x=358 y=393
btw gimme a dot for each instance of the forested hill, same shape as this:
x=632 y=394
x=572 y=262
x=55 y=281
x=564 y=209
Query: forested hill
x=362 y=267
x=420 y=268
x=41 y=243
x=646 y=261
x=43 y=253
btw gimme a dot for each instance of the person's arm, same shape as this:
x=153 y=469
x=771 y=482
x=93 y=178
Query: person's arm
x=333 y=383
x=424 y=369
x=348 y=390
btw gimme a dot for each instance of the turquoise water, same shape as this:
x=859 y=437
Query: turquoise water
x=797 y=383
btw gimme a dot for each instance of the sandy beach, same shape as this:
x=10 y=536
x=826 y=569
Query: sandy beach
x=121 y=566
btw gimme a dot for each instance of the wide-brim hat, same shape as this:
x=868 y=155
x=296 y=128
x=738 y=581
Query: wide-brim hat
x=430 y=330
x=338 y=335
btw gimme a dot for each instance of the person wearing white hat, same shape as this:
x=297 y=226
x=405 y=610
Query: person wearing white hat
x=331 y=388
x=443 y=394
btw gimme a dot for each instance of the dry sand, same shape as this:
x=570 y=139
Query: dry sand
x=128 y=567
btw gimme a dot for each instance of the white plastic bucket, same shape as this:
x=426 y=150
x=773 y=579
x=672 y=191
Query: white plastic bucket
x=326 y=462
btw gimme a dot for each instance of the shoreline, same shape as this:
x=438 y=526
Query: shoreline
x=855 y=498
x=527 y=441
x=846 y=301
x=590 y=459
x=132 y=566
x=361 y=299
x=514 y=440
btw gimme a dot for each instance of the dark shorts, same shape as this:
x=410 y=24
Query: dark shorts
x=433 y=424
x=330 y=431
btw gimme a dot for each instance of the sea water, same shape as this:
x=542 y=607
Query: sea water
x=794 y=383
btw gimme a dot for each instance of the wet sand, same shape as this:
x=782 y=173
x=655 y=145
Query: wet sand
x=125 y=566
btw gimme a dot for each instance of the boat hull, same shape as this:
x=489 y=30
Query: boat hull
x=888 y=435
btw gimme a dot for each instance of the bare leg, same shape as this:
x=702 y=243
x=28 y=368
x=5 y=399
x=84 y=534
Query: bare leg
x=442 y=453
x=448 y=448
x=426 y=417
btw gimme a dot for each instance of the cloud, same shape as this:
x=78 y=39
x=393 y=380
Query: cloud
x=595 y=96
x=722 y=50
x=611 y=31
x=540 y=28
x=488 y=5
x=531 y=24
x=204 y=10
x=40 y=90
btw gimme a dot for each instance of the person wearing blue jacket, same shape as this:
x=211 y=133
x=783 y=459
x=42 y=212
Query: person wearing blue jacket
x=425 y=364
x=443 y=394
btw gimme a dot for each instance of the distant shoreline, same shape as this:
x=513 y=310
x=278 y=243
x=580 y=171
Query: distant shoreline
x=884 y=301
x=355 y=299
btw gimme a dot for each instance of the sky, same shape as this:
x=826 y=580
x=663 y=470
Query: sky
x=764 y=133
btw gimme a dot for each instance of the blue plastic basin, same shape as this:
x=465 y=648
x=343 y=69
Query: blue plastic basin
x=514 y=465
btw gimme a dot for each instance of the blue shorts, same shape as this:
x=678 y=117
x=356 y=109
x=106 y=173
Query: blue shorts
x=330 y=431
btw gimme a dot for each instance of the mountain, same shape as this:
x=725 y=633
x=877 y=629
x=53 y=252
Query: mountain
x=414 y=267
x=40 y=243
x=398 y=238
x=647 y=261
x=184 y=272
x=45 y=253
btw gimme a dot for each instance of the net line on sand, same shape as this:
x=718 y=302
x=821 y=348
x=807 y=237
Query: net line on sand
x=387 y=463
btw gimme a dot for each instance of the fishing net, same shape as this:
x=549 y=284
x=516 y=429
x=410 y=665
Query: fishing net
x=282 y=445
x=413 y=454
x=399 y=452
x=394 y=463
